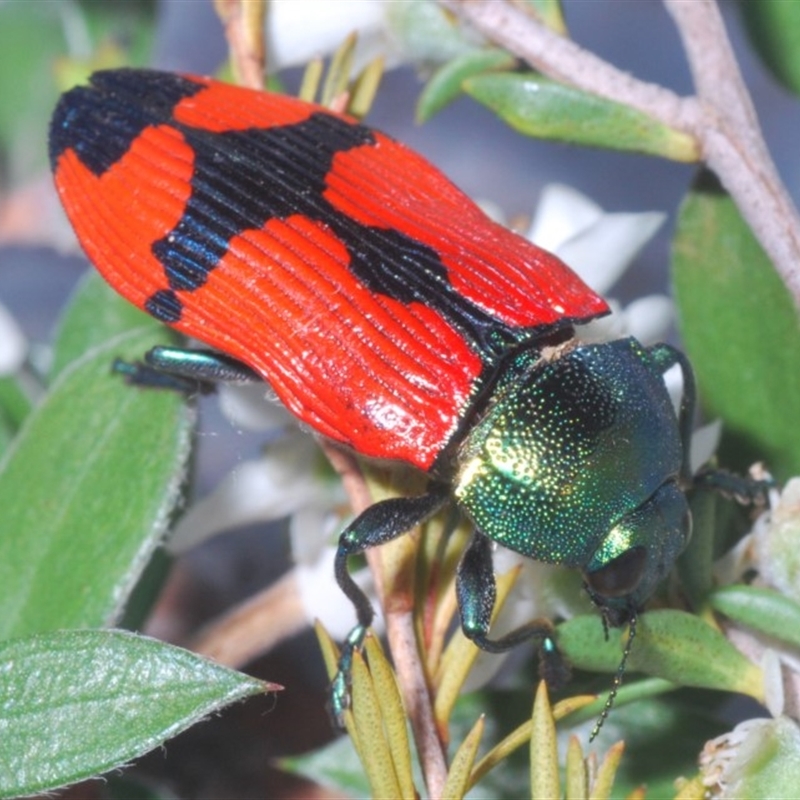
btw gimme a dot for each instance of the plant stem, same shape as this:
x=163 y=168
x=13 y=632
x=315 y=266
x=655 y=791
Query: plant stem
x=733 y=145
x=398 y=614
x=720 y=117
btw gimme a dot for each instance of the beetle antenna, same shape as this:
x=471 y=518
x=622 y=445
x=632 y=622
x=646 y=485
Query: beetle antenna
x=617 y=682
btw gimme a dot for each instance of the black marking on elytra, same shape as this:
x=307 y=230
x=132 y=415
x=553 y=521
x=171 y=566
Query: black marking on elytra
x=165 y=306
x=244 y=178
x=101 y=121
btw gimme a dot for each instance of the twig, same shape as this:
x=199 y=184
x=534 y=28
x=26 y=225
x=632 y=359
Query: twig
x=564 y=60
x=720 y=118
x=732 y=142
x=255 y=626
x=244 y=30
x=402 y=639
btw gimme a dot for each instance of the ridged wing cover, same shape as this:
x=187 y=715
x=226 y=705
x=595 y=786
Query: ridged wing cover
x=371 y=293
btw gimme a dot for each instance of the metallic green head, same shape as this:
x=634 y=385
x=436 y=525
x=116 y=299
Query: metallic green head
x=578 y=462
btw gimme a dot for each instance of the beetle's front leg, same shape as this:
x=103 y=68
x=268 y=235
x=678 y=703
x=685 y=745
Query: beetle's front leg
x=744 y=489
x=377 y=525
x=476 y=591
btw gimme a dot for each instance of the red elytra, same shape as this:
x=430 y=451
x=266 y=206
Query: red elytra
x=375 y=297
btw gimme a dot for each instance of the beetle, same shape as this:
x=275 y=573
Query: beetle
x=391 y=316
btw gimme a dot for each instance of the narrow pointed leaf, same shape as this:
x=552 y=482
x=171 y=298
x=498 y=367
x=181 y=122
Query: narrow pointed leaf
x=545 y=783
x=741 y=330
x=373 y=746
x=458 y=776
x=87 y=491
x=394 y=718
x=338 y=76
x=539 y=107
x=445 y=85
x=604 y=781
x=364 y=88
x=576 y=777
x=74 y=704
x=522 y=734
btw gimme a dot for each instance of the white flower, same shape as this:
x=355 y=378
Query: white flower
x=288 y=479
x=300 y=30
x=770 y=548
x=599 y=247
x=13 y=345
x=396 y=31
x=758 y=758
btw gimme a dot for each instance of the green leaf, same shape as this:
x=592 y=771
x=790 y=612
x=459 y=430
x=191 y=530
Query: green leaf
x=94 y=315
x=445 y=85
x=576 y=775
x=684 y=649
x=15 y=400
x=607 y=772
x=31 y=37
x=536 y=106
x=77 y=703
x=663 y=737
x=774 y=27
x=336 y=765
x=392 y=714
x=87 y=491
x=741 y=330
x=672 y=645
x=760 y=609
x=583 y=643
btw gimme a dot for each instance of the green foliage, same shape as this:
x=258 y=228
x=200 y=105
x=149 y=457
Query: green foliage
x=35 y=36
x=741 y=329
x=83 y=534
x=543 y=108
x=92 y=475
x=77 y=703
x=774 y=27
x=88 y=487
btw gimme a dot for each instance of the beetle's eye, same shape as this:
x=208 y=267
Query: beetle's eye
x=619 y=577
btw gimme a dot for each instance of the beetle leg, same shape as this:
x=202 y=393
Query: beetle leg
x=185 y=370
x=202 y=365
x=745 y=490
x=377 y=525
x=666 y=356
x=476 y=590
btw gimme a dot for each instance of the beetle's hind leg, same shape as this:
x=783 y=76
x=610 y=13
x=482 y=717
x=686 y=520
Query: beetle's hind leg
x=185 y=370
x=377 y=525
x=476 y=590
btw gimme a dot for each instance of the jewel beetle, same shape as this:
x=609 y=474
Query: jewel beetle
x=391 y=316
